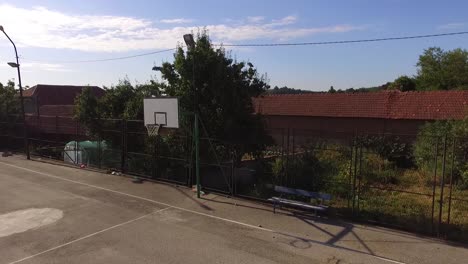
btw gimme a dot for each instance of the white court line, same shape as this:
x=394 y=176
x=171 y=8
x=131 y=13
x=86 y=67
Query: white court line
x=88 y=236
x=389 y=260
x=169 y=206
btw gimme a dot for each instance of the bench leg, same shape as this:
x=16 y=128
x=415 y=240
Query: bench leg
x=274 y=207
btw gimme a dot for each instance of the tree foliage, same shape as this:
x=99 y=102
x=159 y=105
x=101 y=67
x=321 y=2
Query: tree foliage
x=86 y=109
x=362 y=89
x=390 y=148
x=403 y=83
x=123 y=101
x=223 y=88
x=431 y=141
x=286 y=90
x=9 y=104
x=442 y=70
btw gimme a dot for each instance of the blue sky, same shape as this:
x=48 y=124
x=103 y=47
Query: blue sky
x=51 y=33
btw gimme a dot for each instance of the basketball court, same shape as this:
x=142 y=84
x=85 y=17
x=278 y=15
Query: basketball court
x=56 y=214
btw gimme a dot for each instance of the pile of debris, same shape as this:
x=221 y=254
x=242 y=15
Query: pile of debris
x=7 y=154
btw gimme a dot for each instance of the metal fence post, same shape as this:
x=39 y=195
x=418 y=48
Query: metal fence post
x=197 y=156
x=123 y=148
x=56 y=131
x=442 y=183
x=190 y=157
x=99 y=152
x=233 y=176
x=76 y=140
x=434 y=184
x=350 y=174
x=282 y=175
x=359 y=180
x=451 y=181
x=293 y=144
x=354 y=177
x=288 y=180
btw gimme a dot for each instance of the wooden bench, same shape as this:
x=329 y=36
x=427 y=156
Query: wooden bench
x=278 y=201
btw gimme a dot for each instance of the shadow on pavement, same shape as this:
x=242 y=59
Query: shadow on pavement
x=202 y=205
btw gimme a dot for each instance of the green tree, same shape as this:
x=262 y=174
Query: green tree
x=403 y=83
x=123 y=101
x=442 y=70
x=9 y=104
x=332 y=90
x=433 y=134
x=134 y=106
x=87 y=111
x=224 y=89
x=286 y=90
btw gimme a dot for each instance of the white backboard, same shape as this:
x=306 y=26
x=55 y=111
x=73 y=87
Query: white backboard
x=162 y=111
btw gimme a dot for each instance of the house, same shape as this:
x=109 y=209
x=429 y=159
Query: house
x=49 y=109
x=345 y=114
x=54 y=100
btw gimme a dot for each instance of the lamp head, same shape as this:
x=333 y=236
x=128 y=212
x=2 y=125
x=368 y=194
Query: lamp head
x=1 y=28
x=157 y=68
x=13 y=64
x=189 y=41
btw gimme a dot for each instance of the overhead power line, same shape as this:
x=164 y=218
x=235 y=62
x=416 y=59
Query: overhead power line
x=267 y=45
x=108 y=59
x=346 y=41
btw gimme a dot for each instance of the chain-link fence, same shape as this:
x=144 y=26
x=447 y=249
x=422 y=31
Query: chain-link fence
x=415 y=183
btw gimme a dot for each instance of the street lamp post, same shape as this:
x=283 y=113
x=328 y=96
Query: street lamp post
x=17 y=66
x=190 y=42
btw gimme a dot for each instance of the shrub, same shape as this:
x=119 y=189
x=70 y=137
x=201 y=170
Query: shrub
x=390 y=148
x=434 y=134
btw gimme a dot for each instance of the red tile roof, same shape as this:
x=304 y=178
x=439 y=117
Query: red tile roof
x=58 y=94
x=429 y=105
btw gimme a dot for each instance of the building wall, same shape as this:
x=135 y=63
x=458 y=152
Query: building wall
x=340 y=128
x=30 y=106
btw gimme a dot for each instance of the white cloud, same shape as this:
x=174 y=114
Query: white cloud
x=45 y=28
x=255 y=19
x=451 y=26
x=284 y=21
x=176 y=21
x=50 y=67
x=250 y=32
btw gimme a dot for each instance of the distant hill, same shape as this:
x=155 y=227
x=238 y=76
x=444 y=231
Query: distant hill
x=286 y=90
x=364 y=89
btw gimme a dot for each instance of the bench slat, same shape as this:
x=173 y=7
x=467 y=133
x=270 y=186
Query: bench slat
x=315 y=195
x=298 y=204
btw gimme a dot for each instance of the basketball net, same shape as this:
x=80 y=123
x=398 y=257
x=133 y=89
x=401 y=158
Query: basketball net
x=153 y=129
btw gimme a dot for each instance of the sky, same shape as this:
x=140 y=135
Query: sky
x=53 y=36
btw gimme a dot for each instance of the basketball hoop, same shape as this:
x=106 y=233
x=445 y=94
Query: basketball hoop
x=153 y=129
x=160 y=112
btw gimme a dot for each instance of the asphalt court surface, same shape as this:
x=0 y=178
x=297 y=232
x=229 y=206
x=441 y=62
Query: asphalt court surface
x=107 y=219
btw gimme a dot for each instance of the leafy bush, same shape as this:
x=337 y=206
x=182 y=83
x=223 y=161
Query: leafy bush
x=304 y=171
x=390 y=148
x=323 y=170
x=277 y=168
x=378 y=170
x=432 y=139
x=464 y=178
